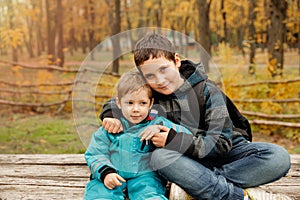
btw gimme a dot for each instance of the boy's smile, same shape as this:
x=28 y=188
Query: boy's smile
x=162 y=74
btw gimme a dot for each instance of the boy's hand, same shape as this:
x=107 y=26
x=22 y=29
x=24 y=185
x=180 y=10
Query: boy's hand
x=112 y=180
x=156 y=133
x=159 y=139
x=149 y=132
x=112 y=125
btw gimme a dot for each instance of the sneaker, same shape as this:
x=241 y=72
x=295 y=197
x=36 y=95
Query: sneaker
x=260 y=194
x=177 y=193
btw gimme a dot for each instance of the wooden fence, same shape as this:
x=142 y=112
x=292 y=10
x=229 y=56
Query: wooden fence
x=59 y=94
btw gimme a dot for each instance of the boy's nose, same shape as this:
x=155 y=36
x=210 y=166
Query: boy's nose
x=135 y=107
x=160 y=79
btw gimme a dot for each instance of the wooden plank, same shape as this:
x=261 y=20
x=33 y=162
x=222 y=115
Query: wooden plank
x=44 y=170
x=43 y=176
x=12 y=192
x=292 y=191
x=43 y=159
x=45 y=181
x=295 y=159
x=77 y=159
x=64 y=176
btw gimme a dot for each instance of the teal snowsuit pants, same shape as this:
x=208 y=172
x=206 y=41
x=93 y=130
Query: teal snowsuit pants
x=146 y=186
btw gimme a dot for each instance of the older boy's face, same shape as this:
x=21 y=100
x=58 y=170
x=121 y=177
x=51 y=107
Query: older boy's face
x=135 y=106
x=162 y=74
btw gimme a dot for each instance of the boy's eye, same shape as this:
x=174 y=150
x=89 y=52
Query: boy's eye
x=163 y=69
x=144 y=103
x=149 y=76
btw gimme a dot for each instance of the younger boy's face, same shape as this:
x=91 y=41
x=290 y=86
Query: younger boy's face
x=162 y=74
x=135 y=106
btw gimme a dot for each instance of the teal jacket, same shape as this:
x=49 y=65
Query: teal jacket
x=124 y=153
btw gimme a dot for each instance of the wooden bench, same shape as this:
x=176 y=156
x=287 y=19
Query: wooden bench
x=64 y=176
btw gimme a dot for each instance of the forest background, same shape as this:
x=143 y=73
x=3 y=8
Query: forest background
x=43 y=45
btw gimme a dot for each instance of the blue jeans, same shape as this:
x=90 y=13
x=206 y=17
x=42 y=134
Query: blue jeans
x=246 y=165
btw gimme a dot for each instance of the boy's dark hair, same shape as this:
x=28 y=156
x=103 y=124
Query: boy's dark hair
x=153 y=45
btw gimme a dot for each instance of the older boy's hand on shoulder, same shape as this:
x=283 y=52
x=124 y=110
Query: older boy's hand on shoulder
x=112 y=180
x=159 y=139
x=112 y=125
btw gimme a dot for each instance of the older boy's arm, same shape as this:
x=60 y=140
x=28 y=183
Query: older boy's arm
x=110 y=117
x=216 y=140
x=110 y=110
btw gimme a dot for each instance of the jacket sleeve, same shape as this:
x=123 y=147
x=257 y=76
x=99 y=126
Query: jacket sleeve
x=110 y=109
x=97 y=155
x=216 y=139
x=172 y=143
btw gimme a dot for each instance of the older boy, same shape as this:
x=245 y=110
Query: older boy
x=217 y=161
x=121 y=161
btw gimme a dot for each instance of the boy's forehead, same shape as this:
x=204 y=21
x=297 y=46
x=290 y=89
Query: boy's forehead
x=139 y=93
x=156 y=62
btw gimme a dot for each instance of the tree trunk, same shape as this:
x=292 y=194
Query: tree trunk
x=39 y=37
x=50 y=34
x=204 y=36
x=251 y=37
x=60 y=44
x=72 y=43
x=15 y=54
x=240 y=31
x=28 y=40
x=115 y=40
x=276 y=35
x=129 y=26
x=83 y=34
x=158 y=16
x=91 y=31
x=11 y=26
x=224 y=22
x=298 y=5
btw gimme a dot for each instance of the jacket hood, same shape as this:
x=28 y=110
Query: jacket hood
x=192 y=74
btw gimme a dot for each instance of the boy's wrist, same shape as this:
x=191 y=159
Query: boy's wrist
x=105 y=172
x=171 y=135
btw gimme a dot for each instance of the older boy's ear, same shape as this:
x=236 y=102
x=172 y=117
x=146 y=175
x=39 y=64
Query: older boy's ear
x=151 y=102
x=177 y=60
x=118 y=102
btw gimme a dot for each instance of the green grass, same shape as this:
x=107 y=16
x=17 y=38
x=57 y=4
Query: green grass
x=39 y=134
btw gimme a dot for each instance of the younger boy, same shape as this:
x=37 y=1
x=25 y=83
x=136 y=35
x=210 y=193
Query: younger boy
x=120 y=162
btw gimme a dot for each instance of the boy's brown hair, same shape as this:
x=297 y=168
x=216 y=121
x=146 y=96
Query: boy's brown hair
x=130 y=82
x=153 y=45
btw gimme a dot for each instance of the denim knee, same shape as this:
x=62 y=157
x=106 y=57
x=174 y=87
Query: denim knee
x=162 y=158
x=282 y=159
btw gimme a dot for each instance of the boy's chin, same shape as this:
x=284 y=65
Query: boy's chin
x=135 y=121
x=165 y=92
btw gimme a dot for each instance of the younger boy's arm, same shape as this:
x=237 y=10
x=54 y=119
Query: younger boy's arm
x=97 y=155
x=112 y=180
